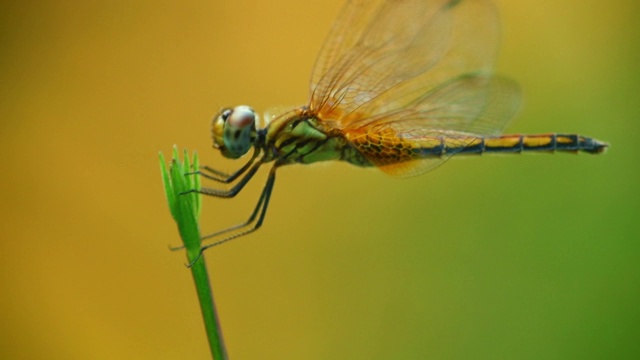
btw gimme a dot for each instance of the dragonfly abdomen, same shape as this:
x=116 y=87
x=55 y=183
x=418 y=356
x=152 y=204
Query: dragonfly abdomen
x=384 y=150
x=521 y=143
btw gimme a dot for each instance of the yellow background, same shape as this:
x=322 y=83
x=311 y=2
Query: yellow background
x=512 y=257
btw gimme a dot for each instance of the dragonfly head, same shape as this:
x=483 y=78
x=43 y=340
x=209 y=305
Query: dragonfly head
x=234 y=131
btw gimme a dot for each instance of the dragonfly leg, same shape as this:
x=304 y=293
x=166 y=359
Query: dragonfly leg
x=251 y=218
x=219 y=176
x=229 y=194
x=236 y=188
x=261 y=208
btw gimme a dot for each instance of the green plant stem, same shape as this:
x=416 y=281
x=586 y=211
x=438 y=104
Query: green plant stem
x=208 y=308
x=185 y=209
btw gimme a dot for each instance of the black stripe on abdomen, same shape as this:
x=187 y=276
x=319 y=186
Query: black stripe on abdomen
x=515 y=144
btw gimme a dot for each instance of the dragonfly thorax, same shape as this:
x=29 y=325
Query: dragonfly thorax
x=234 y=130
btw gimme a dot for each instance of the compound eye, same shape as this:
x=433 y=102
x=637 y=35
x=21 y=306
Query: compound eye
x=225 y=114
x=240 y=117
x=238 y=131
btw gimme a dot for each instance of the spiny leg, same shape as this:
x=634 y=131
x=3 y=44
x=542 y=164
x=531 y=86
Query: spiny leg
x=222 y=177
x=263 y=204
x=227 y=194
x=264 y=201
x=243 y=224
x=235 y=189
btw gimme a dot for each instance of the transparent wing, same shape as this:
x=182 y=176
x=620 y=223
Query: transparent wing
x=472 y=103
x=459 y=111
x=382 y=56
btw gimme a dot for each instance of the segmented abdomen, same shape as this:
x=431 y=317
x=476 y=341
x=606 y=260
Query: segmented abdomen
x=381 y=148
x=517 y=144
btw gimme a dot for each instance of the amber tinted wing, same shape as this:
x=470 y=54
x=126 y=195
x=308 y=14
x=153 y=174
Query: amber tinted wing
x=421 y=68
x=382 y=55
x=458 y=111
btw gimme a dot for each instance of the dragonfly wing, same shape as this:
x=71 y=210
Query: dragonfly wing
x=381 y=56
x=456 y=112
x=471 y=104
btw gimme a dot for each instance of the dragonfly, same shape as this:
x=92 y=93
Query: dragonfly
x=401 y=85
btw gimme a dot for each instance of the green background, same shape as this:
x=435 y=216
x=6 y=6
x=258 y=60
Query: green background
x=513 y=257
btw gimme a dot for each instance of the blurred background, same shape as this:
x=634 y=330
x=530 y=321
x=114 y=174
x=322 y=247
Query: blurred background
x=516 y=257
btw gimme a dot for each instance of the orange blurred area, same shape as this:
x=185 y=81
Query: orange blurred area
x=516 y=257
